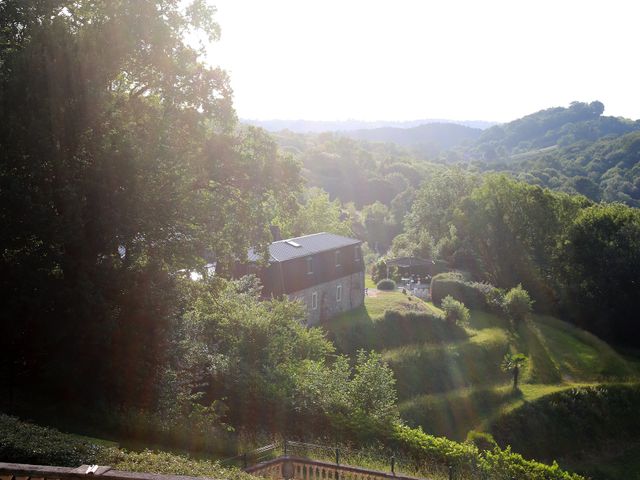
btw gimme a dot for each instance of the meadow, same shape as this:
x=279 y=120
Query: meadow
x=449 y=380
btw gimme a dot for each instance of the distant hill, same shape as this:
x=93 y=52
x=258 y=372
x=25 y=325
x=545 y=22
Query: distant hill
x=558 y=125
x=429 y=138
x=574 y=149
x=319 y=126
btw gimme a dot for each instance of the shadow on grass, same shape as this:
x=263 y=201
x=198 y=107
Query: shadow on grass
x=357 y=330
x=456 y=413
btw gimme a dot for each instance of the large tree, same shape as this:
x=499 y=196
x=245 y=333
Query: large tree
x=602 y=261
x=120 y=164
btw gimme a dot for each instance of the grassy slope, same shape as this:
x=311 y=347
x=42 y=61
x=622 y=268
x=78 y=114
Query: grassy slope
x=451 y=386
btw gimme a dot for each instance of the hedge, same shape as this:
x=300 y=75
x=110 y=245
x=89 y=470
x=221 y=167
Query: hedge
x=22 y=442
x=386 y=284
x=453 y=284
x=396 y=329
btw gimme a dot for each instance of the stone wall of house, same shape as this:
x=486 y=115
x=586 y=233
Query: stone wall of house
x=328 y=305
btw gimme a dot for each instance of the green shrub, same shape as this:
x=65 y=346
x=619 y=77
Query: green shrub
x=517 y=303
x=386 y=284
x=22 y=442
x=455 y=311
x=493 y=296
x=453 y=284
x=381 y=270
x=468 y=462
x=482 y=440
x=171 y=464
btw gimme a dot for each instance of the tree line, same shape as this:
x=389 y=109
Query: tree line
x=577 y=258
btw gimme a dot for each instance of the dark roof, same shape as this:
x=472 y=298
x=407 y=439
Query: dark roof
x=283 y=250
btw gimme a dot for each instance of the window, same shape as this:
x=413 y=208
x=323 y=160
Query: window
x=337 y=258
x=339 y=293
x=309 y=265
x=314 y=300
x=356 y=253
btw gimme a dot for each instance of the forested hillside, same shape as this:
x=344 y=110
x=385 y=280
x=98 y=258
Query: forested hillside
x=576 y=257
x=575 y=149
x=427 y=140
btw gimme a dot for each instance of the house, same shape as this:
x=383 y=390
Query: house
x=324 y=271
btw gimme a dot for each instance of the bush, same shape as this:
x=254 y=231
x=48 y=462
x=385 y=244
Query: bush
x=381 y=270
x=453 y=284
x=22 y=442
x=517 y=303
x=493 y=297
x=467 y=461
x=171 y=464
x=455 y=311
x=386 y=284
x=482 y=440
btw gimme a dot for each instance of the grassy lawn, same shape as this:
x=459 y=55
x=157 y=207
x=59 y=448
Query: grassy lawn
x=368 y=282
x=451 y=382
x=395 y=300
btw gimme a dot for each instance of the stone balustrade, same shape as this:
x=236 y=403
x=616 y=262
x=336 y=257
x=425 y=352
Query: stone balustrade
x=297 y=468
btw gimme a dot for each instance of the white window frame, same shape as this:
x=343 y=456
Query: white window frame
x=338 y=258
x=314 y=301
x=339 y=293
x=309 y=265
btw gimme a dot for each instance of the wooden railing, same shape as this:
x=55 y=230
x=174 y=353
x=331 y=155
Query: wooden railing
x=297 y=468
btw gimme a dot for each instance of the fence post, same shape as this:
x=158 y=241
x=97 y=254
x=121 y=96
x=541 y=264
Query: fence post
x=244 y=460
x=450 y=472
x=285 y=447
x=393 y=465
x=337 y=457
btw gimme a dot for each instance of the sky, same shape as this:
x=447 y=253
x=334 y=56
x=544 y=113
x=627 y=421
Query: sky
x=405 y=60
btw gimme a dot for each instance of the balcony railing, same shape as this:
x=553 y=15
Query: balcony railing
x=298 y=468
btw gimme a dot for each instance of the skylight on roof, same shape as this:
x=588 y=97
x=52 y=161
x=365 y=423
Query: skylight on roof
x=292 y=243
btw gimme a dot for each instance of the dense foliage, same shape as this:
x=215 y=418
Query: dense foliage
x=570 y=255
x=253 y=364
x=517 y=303
x=579 y=421
x=455 y=311
x=454 y=285
x=22 y=442
x=119 y=167
x=575 y=149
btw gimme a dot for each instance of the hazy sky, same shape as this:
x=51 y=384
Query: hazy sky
x=405 y=60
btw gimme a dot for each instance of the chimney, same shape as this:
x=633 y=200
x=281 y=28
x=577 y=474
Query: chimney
x=275 y=233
